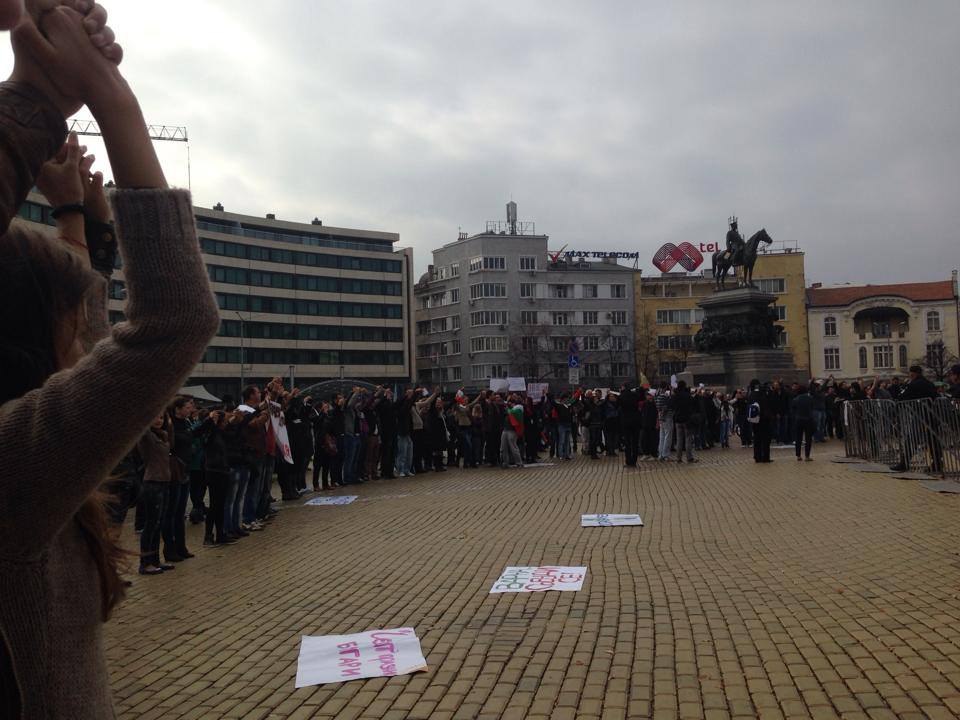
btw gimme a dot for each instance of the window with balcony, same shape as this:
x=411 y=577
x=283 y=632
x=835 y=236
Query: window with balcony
x=679 y=317
x=476 y=264
x=488 y=290
x=880 y=329
x=933 y=321
x=830 y=326
x=831 y=358
x=488 y=343
x=488 y=317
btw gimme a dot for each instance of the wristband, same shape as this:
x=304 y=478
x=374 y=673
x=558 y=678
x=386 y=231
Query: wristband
x=62 y=210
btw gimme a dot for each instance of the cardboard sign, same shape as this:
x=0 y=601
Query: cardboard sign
x=375 y=653
x=536 y=390
x=332 y=500
x=516 y=384
x=280 y=431
x=499 y=384
x=539 y=579
x=605 y=520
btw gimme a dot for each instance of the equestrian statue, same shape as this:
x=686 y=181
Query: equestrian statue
x=739 y=254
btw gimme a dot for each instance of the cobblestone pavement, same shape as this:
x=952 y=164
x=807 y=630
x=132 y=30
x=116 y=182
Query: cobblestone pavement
x=789 y=590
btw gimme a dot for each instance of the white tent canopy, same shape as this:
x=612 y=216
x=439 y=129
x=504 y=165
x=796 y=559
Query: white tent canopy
x=198 y=392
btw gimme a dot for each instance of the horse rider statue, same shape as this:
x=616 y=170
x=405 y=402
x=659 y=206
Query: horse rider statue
x=740 y=253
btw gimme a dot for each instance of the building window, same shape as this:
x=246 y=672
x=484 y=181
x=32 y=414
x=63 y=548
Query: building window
x=781 y=312
x=679 y=317
x=528 y=263
x=618 y=291
x=831 y=358
x=488 y=343
x=488 y=290
x=830 y=326
x=456 y=373
x=591 y=370
x=494 y=263
x=882 y=356
x=933 y=321
x=561 y=318
x=498 y=371
x=881 y=329
x=618 y=317
x=476 y=264
x=591 y=342
x=622 y=370
x=488 y=317
x=528 y=343
x=454 y=296
x=782 y=340
x=560 y=291
x=528 y=317
x=776 y=286
x=674 y=342
x=560 y=343
x=863 y=358
x=455 y=322
x=479 y=372
x=589 y=291
x=455 y=270
x=528 y=290
x=615 y=342
x=903 y=356
x=591 y=317
x=672 y=367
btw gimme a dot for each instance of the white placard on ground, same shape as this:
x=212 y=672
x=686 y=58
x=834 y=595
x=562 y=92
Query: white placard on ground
x=608 y=520
x=331 y=500
x=374 y=653
x=539 y=579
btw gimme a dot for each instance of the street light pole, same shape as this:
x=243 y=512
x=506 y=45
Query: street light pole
x=241 y=353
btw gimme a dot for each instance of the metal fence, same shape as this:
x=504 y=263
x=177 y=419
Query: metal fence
x=920 y=435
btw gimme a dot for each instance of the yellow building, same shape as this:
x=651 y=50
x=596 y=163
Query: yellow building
x=865 y=331
x=667 y=316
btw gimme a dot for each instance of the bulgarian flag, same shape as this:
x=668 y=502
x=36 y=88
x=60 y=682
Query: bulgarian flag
x=515 y=414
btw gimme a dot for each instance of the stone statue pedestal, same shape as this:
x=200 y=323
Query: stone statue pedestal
x=736 y=343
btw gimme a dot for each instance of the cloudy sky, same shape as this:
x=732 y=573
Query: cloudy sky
x=614 y=125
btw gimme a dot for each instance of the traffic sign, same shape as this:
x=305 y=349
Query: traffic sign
x=573 y=362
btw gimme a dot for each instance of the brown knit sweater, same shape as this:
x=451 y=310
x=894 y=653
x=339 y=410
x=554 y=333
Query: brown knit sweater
x=59 y=442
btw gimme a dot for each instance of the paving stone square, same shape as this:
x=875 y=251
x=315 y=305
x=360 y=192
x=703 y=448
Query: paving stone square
x=789 y=590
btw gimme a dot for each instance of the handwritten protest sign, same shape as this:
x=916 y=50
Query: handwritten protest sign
x=516 y=384
x=280 y=431
x=374 y=653
x=605 y=520
x=539 y=579
x=535 y=390
x=332 y=500
x=499 y=384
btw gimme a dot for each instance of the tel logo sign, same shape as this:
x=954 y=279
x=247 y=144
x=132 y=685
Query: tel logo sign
x=684 y=254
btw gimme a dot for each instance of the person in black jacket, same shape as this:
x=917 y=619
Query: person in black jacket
x=629 y=403
x=387 y=419
x=919 y=388
x=802 y=409
x=216 y=466
x=174 y=532
x=763 y=430
x=649 y=437
x=683 y=406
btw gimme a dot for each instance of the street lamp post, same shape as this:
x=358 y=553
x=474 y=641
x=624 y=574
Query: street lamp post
x=241 y=353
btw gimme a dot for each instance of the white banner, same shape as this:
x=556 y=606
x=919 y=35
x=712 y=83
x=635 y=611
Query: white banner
x=280 y=431
x=539 y=579
x=605 y=520
x=375 y=653
x=499 y=384
x=332 y=500
x=573 y=376
x=516 y=384
x=536 y=390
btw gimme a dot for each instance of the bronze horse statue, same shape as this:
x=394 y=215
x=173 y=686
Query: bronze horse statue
x=746 y=261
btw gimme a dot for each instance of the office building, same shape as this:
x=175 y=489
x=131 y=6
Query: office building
x=498 y=304
x=305 y=299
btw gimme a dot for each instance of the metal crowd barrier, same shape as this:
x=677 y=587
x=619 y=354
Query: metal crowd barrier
x=922 y=435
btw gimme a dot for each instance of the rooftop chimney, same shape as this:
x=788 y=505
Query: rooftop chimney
x=219 y=207
x=271 y=216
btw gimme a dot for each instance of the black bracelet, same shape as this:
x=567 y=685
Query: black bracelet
x=57 y=212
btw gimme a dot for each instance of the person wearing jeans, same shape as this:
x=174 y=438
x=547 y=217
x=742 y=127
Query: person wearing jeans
x=683 y=406
x=665 y=417
x=154 y=449
x=805 y=418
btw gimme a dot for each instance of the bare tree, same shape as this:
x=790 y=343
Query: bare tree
x=938 y=360
x=647 y=352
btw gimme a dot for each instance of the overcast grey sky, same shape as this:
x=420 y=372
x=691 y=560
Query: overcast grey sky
x=614 y=125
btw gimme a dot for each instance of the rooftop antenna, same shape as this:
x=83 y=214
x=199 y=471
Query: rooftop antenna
x=512 y=217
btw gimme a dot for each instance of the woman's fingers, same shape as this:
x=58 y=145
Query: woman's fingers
x=113 y=52
x=103 y=38
x=73 y=150
x=85 y=164
x=95 y=20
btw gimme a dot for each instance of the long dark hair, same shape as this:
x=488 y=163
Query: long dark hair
x=44 y=285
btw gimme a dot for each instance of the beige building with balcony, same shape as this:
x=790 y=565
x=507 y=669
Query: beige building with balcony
x=865 y=331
